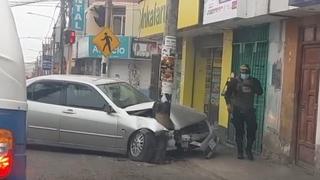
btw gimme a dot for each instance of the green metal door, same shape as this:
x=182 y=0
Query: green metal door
x=254 y=53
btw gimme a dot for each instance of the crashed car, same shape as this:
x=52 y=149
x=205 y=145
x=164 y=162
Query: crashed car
x=95 y=113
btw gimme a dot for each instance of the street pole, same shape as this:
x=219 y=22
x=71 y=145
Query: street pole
x=69 y=48
x=105 y=59
x=62 y=26
x=168 y=53
x=168 y=56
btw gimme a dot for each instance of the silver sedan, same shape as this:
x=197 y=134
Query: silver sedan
x=93 y=113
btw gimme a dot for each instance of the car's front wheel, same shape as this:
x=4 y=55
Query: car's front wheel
x=142 y=146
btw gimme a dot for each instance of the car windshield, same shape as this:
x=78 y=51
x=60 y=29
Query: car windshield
x=123 y=95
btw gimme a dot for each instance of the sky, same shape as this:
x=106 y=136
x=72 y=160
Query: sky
x=32 y=29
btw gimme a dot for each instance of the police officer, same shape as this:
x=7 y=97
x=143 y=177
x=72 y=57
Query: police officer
x=239 y=97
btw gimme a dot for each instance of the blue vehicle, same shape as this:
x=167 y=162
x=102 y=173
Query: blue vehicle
x=13 y=104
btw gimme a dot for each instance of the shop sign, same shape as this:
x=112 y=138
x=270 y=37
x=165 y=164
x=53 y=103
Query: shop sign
x=143 y=49
x=153 y=17
x=46 y=62
x=122 y=52
x=78 y=7
x=302 y=3
x=220 y=10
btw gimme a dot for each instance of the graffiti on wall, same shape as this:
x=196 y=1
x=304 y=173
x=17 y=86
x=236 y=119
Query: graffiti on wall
x=134 y=75
x=276 y=74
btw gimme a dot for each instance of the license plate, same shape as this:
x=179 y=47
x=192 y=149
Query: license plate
x=212 y=144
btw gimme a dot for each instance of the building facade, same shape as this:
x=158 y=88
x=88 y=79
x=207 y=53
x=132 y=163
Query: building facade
x=279 y=39
x=131 y=61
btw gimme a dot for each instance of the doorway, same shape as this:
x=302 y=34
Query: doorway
x=308 y=105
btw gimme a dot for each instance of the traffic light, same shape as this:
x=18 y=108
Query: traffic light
x=100 y=15
x=69 y=37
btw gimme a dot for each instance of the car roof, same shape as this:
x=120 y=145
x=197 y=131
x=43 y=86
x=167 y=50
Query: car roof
x=94 y=80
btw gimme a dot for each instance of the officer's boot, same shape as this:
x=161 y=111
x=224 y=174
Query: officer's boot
x=240 y=150
x=249 y=150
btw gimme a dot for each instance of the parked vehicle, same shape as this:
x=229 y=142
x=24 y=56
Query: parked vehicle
x=13 y=104
x=107 y=115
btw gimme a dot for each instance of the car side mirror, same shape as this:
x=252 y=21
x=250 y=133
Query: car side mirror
x=108 y=109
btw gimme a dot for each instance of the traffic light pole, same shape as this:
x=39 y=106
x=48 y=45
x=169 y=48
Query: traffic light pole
x=62 y=27
x=105 y=59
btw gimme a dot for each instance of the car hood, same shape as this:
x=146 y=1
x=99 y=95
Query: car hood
x=181 y=116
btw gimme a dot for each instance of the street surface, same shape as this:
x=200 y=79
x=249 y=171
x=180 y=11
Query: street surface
x=46 y=163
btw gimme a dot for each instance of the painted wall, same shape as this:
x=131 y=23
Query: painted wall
x=289 y=93
x=279 y=6
x=272 y=145
x=137 y=73
x=132 y=20
x=256 y=8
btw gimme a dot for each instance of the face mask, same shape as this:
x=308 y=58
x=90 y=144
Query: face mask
x=244 y=76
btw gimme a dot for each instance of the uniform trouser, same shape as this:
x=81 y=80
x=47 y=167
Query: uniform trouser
x=239 y=119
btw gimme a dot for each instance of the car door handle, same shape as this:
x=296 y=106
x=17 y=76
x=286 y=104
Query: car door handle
x=68 y=111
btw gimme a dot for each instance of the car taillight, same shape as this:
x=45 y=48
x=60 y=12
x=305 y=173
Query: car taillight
x=6 y=153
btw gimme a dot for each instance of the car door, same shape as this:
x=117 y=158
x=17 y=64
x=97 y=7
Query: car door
x=44 y=109
x=84 y=121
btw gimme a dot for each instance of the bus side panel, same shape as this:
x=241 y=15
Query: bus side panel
x=15 y=121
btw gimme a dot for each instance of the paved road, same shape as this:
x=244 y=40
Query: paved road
x=63 y=164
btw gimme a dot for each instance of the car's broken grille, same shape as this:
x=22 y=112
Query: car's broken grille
x=196 y=128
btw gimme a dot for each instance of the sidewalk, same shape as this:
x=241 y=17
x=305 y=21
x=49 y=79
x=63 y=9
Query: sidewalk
x=225 y=166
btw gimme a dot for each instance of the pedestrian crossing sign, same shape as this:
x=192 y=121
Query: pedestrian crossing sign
x=106 y=41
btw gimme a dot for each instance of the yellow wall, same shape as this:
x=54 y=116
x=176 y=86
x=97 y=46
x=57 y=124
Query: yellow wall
x=225 y=74
x=199 y=82
x=187 y=67
x=188 y=13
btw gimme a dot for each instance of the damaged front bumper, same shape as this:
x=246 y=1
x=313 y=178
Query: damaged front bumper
x=205 y=141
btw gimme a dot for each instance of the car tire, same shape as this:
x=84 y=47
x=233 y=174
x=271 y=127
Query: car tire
x=142 y=146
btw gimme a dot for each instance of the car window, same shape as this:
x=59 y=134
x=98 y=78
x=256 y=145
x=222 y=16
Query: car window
x=123 y=95
x=83 y=96
x=46 y=92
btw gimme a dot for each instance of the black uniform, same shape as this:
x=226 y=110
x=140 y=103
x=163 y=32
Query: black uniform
x=240 y=95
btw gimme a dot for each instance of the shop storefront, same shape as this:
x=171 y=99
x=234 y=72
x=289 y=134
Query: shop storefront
x=130 y=62
x=208 y=60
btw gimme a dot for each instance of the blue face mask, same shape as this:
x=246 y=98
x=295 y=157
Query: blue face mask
x=244 y=76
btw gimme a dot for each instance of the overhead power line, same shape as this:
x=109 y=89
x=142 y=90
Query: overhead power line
x=21 y=3
x=52 y=21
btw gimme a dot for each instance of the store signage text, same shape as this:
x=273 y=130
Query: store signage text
x=153 y=16
x=219 y=10
x=78 y=15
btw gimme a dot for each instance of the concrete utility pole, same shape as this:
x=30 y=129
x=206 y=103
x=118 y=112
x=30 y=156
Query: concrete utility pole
x=168 y=56
x=62 y=26
x=168 y=53
x=108 y=16
x=69 y=48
